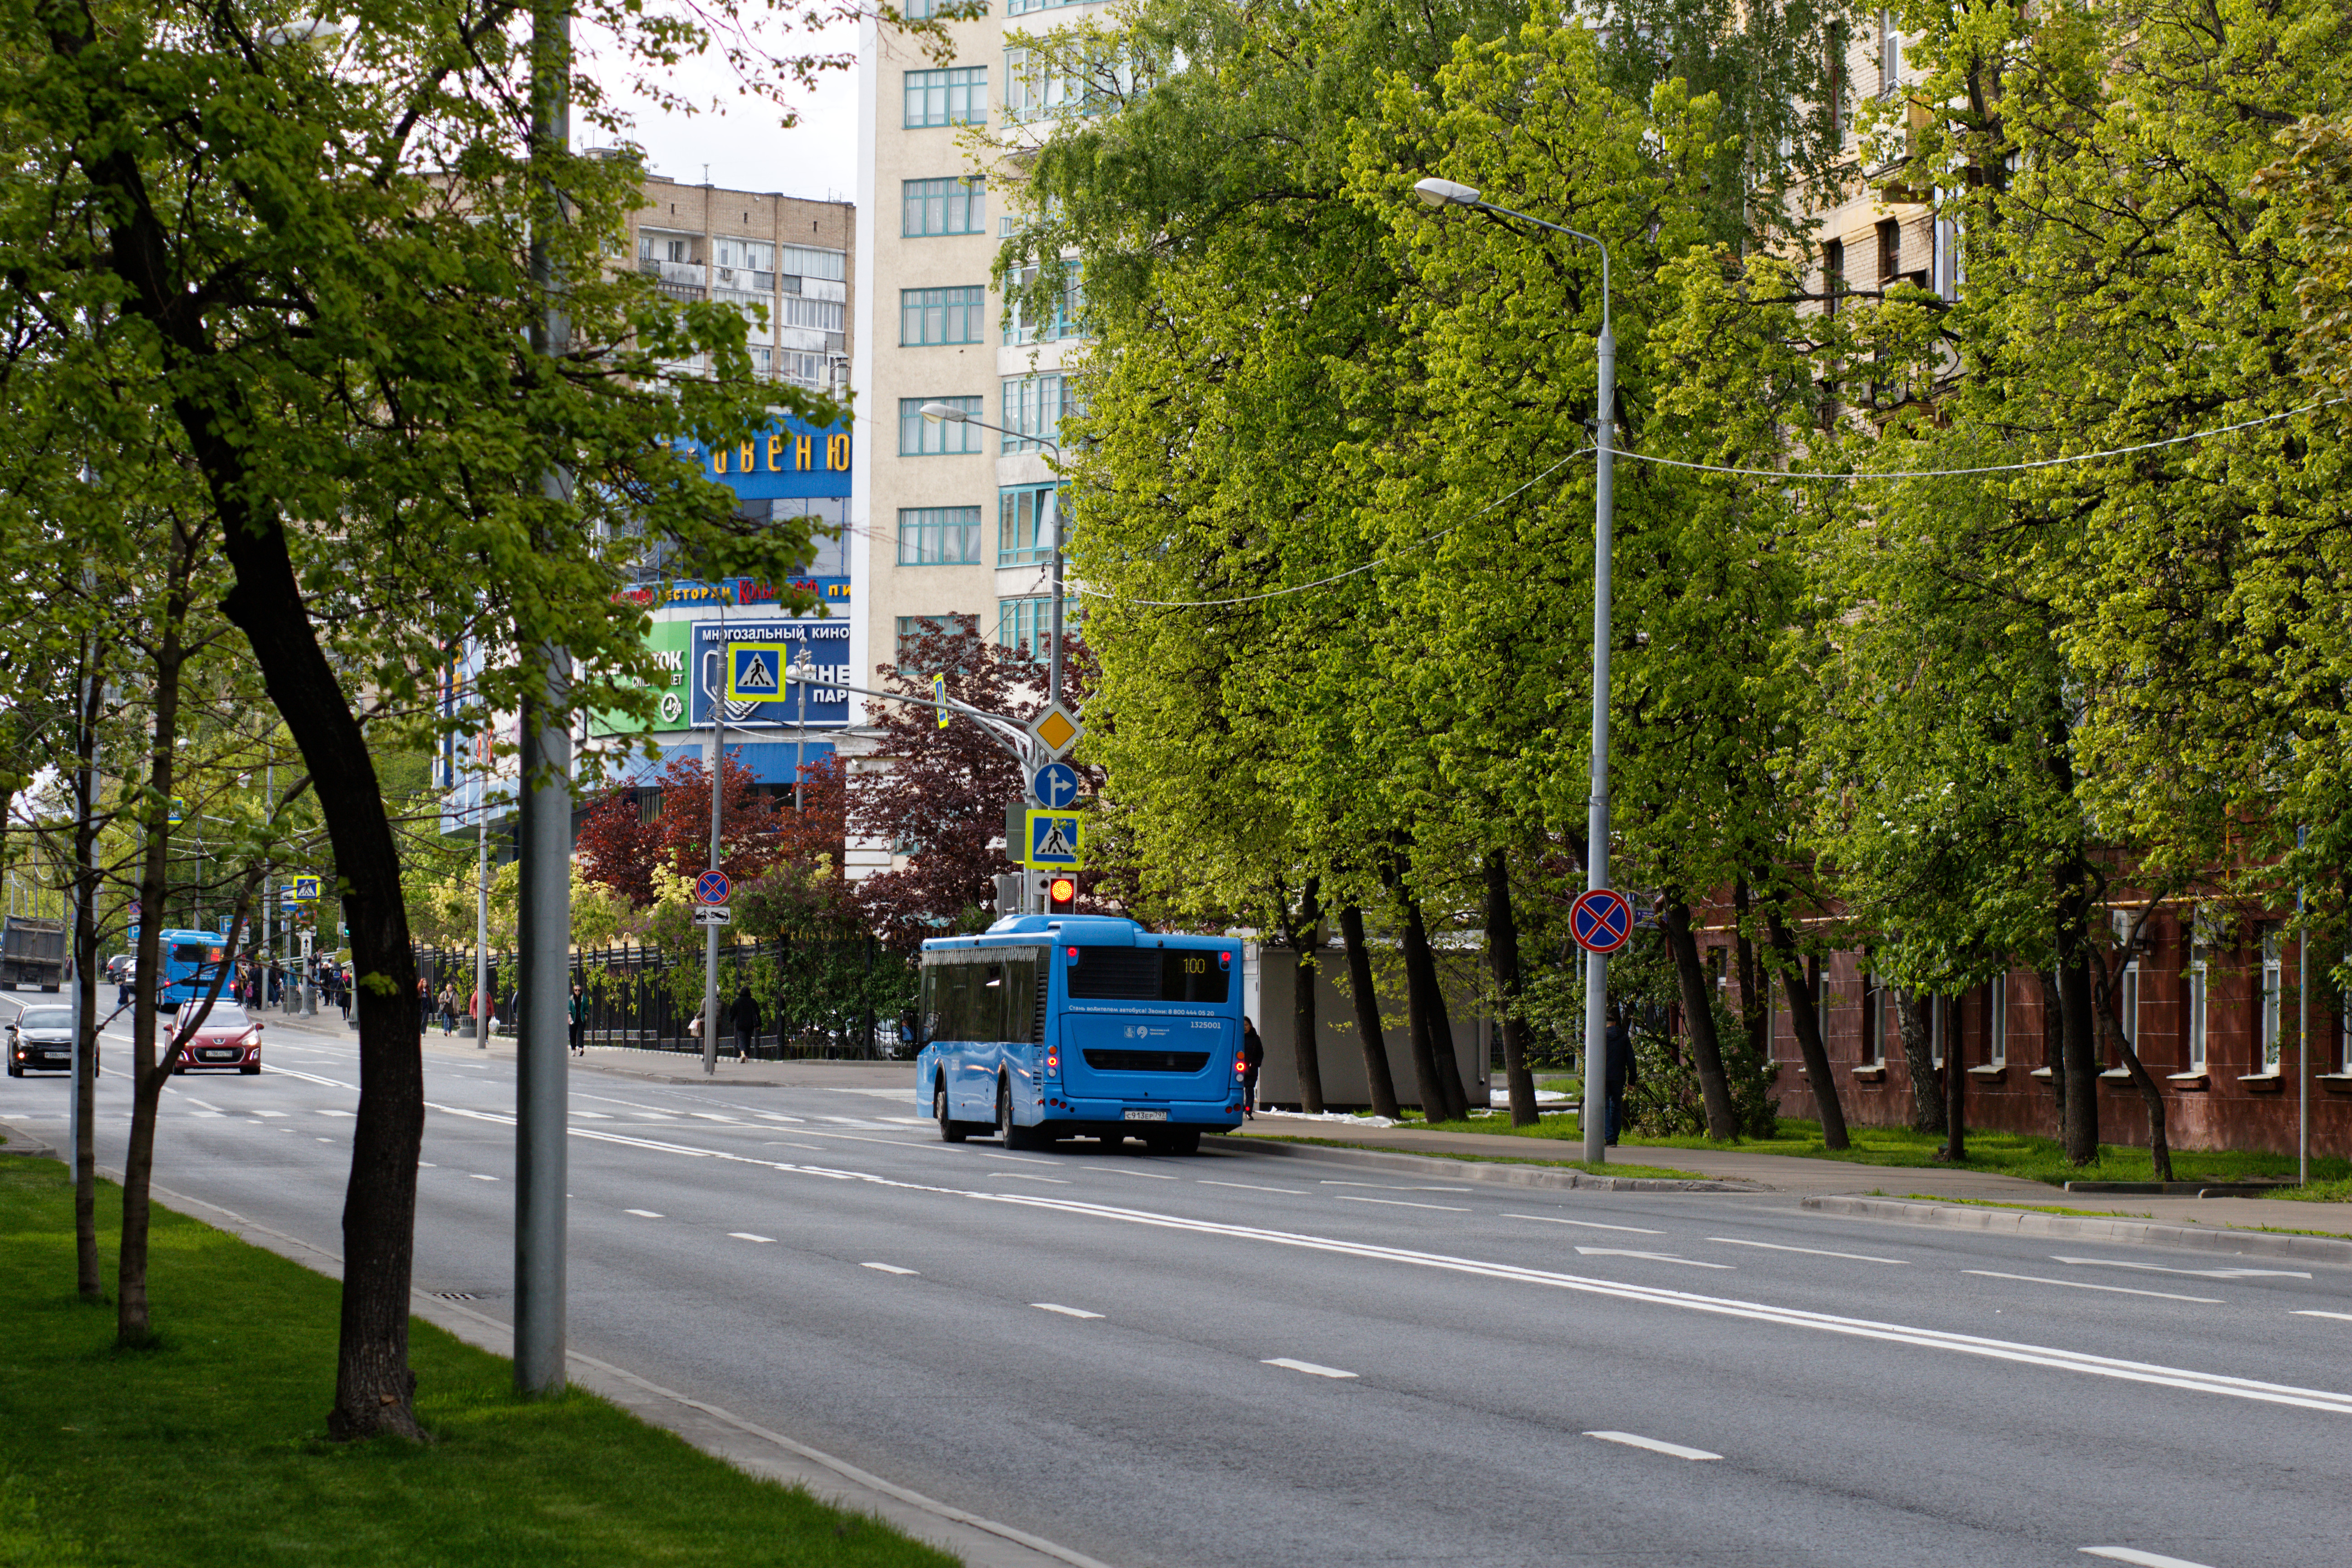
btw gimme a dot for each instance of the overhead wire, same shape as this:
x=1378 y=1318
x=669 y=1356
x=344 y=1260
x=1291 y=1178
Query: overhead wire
x=1781 y=474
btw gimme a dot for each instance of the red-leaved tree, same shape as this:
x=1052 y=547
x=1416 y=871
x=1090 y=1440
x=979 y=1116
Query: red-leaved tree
x=945 y=793
x=621 y=850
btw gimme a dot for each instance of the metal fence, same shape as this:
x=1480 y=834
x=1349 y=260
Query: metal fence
x=817 y=1000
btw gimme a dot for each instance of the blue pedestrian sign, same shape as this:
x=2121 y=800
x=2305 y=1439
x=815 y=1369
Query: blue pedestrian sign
x=306 y=889
x=1600 y=920
x=1055 y=786
x=1054 y=840
x=712 y=887
x=755 y=672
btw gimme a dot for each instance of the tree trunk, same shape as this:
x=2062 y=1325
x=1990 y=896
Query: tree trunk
x=1955 y=1092
x=1807 y=1020
x=1915 y=1012
x=2079 y=1005
x=1433 y=1106
x=133 y=1326
x=1308 y=944
x=1699 y=1011
x=2053 y=1040
x=88 y=1277
x=1425 y=998
x=1378 y=1080
x=1503 y=954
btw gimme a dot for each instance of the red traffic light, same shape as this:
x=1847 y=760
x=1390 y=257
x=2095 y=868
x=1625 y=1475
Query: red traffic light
x=1061 y=895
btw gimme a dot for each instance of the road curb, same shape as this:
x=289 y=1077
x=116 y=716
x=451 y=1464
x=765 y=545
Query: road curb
x=1492 y=1173
x=2081 y=1227
x=22 y=1139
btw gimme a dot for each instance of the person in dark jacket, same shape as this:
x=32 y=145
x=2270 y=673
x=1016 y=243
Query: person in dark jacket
x=1253 y=1055
x=1617 y=1074
x=744 y=1014
x=576 y=1012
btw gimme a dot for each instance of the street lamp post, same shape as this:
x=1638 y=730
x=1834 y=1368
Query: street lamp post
x=950 y=414
x=1438 y=193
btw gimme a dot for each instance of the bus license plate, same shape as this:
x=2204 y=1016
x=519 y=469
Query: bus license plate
x=1146 y=1116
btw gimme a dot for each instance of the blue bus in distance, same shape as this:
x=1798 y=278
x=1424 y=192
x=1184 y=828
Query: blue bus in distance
x=191 y=959
x=1051 y=1026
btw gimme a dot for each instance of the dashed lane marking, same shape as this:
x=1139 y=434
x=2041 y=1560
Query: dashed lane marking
x=887 y=1268
x=1397 y=1203
x=1655 y=1446
x=1065 y=1311
x=1810 y=1251
x=645 y=1214
x=2132 y=1555
x=747 y=1236
x=1648 y=1256
x=1254 y=1187
x=1309 y=1367
x=2082 y=1285
x=1585 y=1224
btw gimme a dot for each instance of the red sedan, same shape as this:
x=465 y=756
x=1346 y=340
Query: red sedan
x=226 y=1040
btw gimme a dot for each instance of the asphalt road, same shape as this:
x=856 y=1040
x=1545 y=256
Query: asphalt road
x=1246 y=1359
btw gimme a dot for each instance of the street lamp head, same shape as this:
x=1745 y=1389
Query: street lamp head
x=1437 y=193
x=935 y=411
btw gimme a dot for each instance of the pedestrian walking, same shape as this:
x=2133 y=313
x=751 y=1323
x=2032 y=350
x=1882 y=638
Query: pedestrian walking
x=1253 y=1057
x=1617 y=1074
x=448 y=1009
x=424 y=1002
x=578 y=1014
x=745 y=1015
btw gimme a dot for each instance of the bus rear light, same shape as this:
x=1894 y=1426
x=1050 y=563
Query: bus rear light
x=1073 y=953
x=1224 y=961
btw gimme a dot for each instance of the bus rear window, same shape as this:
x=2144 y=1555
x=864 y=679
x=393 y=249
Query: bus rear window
x=188 y=953
x=1148 y=975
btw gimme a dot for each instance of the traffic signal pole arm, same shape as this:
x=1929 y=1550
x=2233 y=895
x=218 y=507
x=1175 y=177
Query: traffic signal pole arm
x=1010 y=733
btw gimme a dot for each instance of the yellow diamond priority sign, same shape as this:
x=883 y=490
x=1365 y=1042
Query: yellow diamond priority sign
x=1057 y=730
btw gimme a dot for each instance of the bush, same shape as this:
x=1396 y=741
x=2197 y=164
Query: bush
x=1666 y=1102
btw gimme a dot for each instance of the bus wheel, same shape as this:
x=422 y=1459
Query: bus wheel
x=951 y=1129
x=1010 y=1133
x=1186 y=1142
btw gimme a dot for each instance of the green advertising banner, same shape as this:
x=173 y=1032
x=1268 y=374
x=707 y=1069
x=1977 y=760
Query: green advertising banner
x=670 y=642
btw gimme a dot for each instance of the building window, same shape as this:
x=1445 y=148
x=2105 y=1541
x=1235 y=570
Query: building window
x=1950 y=269
x=1026 y=522
x=921 y=10
x=826 y=315
x=2269 y=1017
x=913 y=629
x=1890 y=251
x=1034 y=405
x=1939 y=1018
x=921 y=437
x=956 y=204
x=939 y=536
x=1877 y=1017
x=1833 y=75
x=1890 y=54
x=1026 y=625
x=812 y=261
x=1065 y=322
x=929 y=316
x=1034 y=91
x=1832 y=275
x=955 y=97
x=2196 y=1011
x=1997 y=1022
x=2128 y=1005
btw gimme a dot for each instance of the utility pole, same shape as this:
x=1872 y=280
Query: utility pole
x=717 y=801
x=82 y=923
x=544 y=903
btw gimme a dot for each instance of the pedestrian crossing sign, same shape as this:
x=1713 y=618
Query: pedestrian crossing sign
x=1054 y=840
x=755 y=671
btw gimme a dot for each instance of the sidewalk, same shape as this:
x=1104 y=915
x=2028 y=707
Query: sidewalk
x=1790 y=1174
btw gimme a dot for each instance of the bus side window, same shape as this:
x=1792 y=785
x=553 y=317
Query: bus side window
x=1020 y=1000
x=956 y=1024
x=930 y=1004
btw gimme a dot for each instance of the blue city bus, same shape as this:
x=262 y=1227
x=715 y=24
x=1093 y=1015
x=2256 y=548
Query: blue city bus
x=191 y=959
x=1049 y=1026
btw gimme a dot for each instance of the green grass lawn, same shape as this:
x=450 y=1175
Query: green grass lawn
x=212 y=1448
x=2009 y=1153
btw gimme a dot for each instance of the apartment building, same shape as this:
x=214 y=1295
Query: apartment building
x=958 y=520
x=1883 y=229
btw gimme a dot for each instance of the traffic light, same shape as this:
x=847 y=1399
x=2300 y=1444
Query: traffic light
x=1060 y=893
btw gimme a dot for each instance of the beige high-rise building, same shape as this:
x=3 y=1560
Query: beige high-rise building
x=956 y=520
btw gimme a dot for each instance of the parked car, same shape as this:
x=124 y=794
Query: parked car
x=40 y=1039
x=228 y=1038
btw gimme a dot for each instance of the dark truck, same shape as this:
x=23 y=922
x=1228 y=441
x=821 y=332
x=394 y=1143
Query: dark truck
x=33 y=953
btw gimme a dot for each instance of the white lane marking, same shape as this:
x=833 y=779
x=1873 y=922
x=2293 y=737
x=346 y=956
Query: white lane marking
x=427 y=1165
x=1396 y=1203
x=747 y=1236
x=308 y=1077
x=992 y=1154
x=645 y=1214
x=1648 y=1256
x=2201 y=1273
x=1672 y=1450
x=207 y=1104
x=714 y=1116
x=1149 y=1175
x=888 y=1267
x=2339 y=1317
x=266 y=1113
x=2080 y=1285
x=1025 y=1176
x=1309 y=1367
x=1392 y=1186
x=1065 y=1311
x=1811 y=1251
x=1585 y=1224
x=591 y=1116
x=208 y=1115
x=479 y=1177
x=780 y=1144
x=2020 y=1353
x=2132 y=1555
x=656 y=1116
x=778 y=1116
x=326 y=1140
x=1254 y=1187
x=348 y=1114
